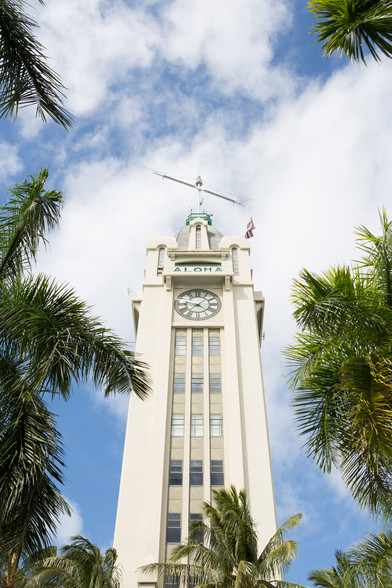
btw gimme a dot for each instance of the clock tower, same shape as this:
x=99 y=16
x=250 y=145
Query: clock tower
x=198 y=324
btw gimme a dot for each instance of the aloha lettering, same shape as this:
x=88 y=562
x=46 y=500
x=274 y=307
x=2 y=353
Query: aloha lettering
x=197 y=269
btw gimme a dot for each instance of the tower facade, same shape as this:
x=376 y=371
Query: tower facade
x=198 y=324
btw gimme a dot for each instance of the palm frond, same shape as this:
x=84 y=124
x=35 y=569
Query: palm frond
x=25 y=77
x=24 y=220
x=342 y=575
x=52 y=327
x=350 y=26
x=341 y=369
x=278 y=554
x=378 y=258
x=81 y=564
x=372 y=559
x=339 y=304
x=228 y=557
x=31 y=464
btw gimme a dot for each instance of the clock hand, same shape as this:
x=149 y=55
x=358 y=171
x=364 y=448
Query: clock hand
x=194 y=304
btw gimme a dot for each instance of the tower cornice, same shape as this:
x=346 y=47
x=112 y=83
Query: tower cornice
x=191 y=254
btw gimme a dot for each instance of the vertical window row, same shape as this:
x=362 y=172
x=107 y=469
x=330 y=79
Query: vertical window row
x=197 y=383
x=234 y=257
x=198 y=237
x=175 y=472
x=197 y=344
x=161 y=260
x=173 y=530
x=177 y=427
x=180 y=345
x=197 y=534
x=214 y=344
x=179 y=383
x=215 y=384
x=217 y=477
x=196 y=474
x=196 y=425
x=216 y=425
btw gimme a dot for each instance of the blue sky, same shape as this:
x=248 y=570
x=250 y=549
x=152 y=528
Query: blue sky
x=238 y=92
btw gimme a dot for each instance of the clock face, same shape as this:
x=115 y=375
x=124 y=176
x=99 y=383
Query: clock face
x=197 y=304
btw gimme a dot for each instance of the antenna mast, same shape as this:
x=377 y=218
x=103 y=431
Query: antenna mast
x=197 y=186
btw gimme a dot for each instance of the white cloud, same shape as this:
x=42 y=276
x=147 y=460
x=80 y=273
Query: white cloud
x=116 y=405
x=10 y=161
x=69 y=526
x=233 y=41
x=98 y=46
x=95 y=44
x=29 y=125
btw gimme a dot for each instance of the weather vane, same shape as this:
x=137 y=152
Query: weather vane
x=197 y=186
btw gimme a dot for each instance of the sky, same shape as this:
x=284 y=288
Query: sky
x=238 y=92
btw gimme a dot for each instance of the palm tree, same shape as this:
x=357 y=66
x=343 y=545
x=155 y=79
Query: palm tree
x=341 y=369
x=347 y=26
x=81 y=564
x=340 y=576
x=48 y=340
x=24 y=573
x=222 y=548
x=25 y=77
x=371 y=559
x=369 y=563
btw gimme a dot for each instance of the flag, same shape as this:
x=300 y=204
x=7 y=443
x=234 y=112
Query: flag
x=249 y=229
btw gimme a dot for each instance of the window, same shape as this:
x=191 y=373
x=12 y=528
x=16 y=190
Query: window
x=198 y=237
x=177 y=428
x=234 y=257
x=197 y=383
x=197 y=425
x=198 y=534
x=215 y=384
x=196 y=477
x=179 y=383
x=180 y=348
x=170 y=582
x=216 y=425
x=175 y=472
x=161 y=257
x=195 y=516
x=173 y=530
x=217 y=478
x=197 y=345
x=214 y=345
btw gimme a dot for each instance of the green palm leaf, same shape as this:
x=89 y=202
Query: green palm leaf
x=53 y=329
x=31 y=464
x=371 y=559
x=25 y=78
x=341 y=369
x=24 y=219
x=81 y=564
x=228 y=557
x=343 y=575
x=48 y=341
x=348 y=26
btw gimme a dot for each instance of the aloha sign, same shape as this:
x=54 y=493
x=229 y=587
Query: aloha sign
x=197 y=267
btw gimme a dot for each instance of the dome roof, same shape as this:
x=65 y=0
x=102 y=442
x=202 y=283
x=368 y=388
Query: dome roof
x=214 y=237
